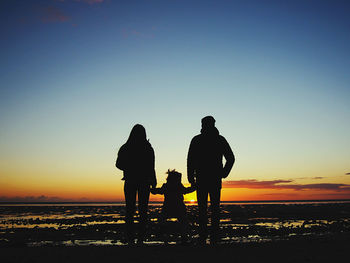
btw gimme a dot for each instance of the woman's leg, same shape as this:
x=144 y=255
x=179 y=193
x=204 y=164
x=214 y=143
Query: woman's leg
x=130 y=203
x=143 y=197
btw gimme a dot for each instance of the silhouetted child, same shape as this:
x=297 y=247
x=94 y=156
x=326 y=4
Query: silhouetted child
x=174 y=206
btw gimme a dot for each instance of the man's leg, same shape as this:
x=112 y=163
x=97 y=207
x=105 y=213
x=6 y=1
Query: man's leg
x=130 y=205
x=202 y=199
x=215 y=214
x=143 y=197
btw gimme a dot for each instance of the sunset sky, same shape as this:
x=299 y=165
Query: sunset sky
x=76 y=75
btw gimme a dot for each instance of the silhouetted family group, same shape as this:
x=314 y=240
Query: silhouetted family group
x=205 y=171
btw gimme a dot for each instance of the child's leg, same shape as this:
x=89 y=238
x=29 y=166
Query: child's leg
x=184 y=225
x=163 y=227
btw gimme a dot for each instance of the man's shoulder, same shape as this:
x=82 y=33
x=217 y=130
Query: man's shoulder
x=223 y=140
x=196 y=138
x=200 y=137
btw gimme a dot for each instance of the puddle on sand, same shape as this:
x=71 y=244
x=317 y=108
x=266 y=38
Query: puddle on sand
x=294 y=224
x=69 y=243
x=248 y=239
x=8 y=225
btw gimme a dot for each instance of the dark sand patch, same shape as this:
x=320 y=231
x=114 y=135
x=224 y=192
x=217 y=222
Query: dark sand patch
x=334 y=249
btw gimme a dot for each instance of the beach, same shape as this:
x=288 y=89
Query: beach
x=288 y=232
x=316 y=250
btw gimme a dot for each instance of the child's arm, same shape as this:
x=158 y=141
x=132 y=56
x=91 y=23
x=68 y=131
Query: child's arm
x=159 y=191
x=187 y=190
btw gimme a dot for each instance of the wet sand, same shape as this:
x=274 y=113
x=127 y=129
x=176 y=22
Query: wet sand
x=104 y=225
x=318 y=232
x=316 y=250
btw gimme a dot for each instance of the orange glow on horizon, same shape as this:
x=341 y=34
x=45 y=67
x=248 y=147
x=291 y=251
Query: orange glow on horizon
x=49 y=189
x=120 y=198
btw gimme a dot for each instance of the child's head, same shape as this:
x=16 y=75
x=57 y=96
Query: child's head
x=174 y=177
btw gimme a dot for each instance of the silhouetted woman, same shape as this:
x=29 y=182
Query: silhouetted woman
x=136 y=160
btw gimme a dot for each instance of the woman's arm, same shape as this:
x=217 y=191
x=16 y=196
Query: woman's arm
x=120 y=162
x=159 y=191
x=153 y=176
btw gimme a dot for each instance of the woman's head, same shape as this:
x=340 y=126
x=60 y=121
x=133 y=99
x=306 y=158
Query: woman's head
x=174 y=177
x=137 y=134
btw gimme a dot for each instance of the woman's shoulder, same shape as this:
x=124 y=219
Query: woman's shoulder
x=149 y=145
x=122 y=148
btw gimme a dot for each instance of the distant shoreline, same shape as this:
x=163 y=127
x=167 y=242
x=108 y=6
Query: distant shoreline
x=187 y=202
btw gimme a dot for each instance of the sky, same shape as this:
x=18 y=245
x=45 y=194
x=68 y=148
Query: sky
x=76 y=75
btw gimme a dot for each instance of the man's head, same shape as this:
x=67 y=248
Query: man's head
x=208 y=122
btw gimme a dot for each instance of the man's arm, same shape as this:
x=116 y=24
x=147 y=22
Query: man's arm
x=229 y=156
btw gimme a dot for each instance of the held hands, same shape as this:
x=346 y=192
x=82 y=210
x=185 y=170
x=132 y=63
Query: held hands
x=191 y=180
x=153 y=182
x=153 y=185
x=193 y=187
x=193 y=184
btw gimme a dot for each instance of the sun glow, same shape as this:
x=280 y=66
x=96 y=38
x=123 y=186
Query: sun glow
x=191 y=198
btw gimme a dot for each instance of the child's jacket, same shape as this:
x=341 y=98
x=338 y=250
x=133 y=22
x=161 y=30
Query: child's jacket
x=173 y=198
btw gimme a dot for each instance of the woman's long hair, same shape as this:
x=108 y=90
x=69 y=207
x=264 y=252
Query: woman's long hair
x=137 y=135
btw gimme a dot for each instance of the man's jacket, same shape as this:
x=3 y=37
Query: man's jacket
x=204 y=159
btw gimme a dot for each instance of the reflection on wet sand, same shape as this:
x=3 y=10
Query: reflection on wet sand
x=104 y=225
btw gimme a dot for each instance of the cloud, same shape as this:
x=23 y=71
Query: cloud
x=90 y=2
x=53 y=14
x=127 y=32
x=308 y=178
x=283 y=185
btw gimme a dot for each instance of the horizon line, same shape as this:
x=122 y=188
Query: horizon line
x=188 y=202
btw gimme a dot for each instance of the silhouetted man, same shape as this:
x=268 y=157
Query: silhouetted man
x=205 y=169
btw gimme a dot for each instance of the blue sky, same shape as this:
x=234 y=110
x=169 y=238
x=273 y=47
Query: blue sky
x=77 y=75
